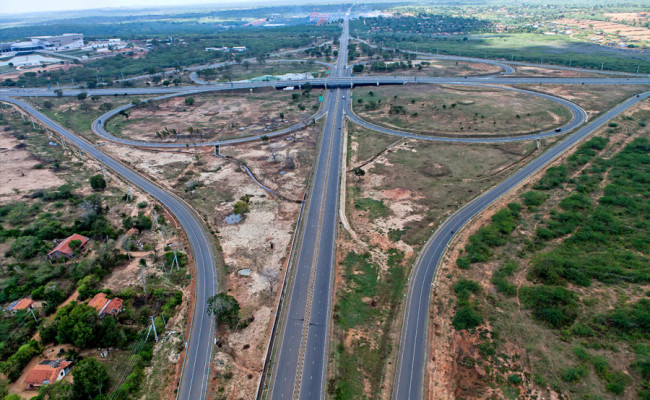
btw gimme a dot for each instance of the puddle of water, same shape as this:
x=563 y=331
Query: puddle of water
x=233 y=219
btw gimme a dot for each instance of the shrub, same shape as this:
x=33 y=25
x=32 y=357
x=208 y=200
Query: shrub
x=19 y=360
x=554 y=177
x=466 y=318
x=189 y=101
x=534 y=198
x=97 y=182
x=573 y=374
x=515 y=379
x=553 y=305
x=242 y=206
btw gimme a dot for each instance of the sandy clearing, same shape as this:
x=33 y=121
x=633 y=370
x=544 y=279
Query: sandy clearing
x=17 y=172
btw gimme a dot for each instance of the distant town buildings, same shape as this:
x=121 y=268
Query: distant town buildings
x=66 y=41
x=236 y=49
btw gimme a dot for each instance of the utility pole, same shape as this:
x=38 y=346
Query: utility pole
x=128 y=193
x=33 y=124
x=144 y=283
x=155 y=219
x=155 y=334
x=602 y=65
x=103 y=171
x=33 y=315
x=176 y=261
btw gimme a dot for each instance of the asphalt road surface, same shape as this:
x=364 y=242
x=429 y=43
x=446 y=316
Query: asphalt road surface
x=300 y=367
x=194 y=380
x=413 y=343
x=331 y=82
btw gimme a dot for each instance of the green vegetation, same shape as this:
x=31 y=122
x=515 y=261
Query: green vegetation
x=176 y=55
x=225 y=309
x=375 y=208
x=30 y=226
x=247 y=70
x=467 y=314
x=367 y=303
x=242 y=206
x=461 y=31
x=568 y=274
x=97 y=182
x=488 y=237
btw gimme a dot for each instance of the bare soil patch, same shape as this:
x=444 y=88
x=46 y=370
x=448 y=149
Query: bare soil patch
x=218 y=115
x=20 y=171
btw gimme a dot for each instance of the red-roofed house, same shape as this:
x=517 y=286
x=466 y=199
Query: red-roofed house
x=105 y=306
x=98 y=302
x=113 y=307
x=63 y=249
x=22 y=304
x=47 y=371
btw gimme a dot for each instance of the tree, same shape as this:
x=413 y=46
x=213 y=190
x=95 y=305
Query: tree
x=359 y=172
x=58 y=92
x=82 y=96
x=97 y=182
x=225 y=309
x=124 y=114
x=47 y=104
x=358 y=68
x=189 y=101
x=90 y=378
x=242 y=207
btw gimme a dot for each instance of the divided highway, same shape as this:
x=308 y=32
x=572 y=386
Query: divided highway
x=300 y=365
x=301 y=349
x=413 y=343
x=194 y=380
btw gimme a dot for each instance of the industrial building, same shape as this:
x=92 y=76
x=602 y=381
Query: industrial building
x=66 y=41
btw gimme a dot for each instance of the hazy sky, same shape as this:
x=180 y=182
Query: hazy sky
x=14 y=6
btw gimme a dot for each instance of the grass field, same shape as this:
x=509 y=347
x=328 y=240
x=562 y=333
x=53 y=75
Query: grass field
x=435 y=68
x=457 y=110
x=529 y=47
x=252 y=70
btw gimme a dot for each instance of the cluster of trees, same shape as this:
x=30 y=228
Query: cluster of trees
x=467 y=314
x=479 y=248
x=423 y=24
x=141 y=222
x=381 y=66
x=79 y=325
